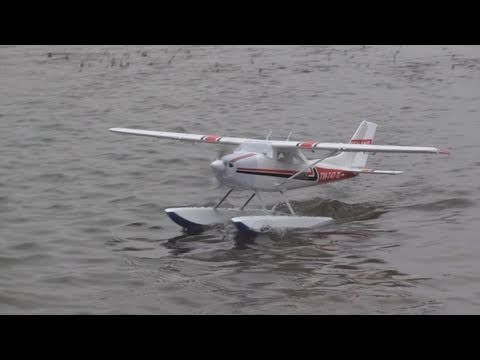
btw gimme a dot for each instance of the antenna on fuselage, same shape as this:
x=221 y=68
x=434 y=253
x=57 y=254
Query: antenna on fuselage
x=289 y=134
x=268 y=136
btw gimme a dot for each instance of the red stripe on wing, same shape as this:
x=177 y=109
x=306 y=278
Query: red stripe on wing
x=306 y=144
x=211 y=138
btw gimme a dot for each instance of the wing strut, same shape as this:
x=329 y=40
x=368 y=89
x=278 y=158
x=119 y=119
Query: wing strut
x=288 y=203
x=305 y=168
x=223 y=199
x=250 y=198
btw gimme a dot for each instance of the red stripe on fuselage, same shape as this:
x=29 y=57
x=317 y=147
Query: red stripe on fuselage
x=277 y=171
x=328 y=175
x=324 y=175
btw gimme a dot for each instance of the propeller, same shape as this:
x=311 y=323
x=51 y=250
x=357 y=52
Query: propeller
x=221 y=152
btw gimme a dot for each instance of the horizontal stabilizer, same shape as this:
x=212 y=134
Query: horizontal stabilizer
x=370 y=171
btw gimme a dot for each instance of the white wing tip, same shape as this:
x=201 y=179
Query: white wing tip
x=382 y=172
x=126 y=130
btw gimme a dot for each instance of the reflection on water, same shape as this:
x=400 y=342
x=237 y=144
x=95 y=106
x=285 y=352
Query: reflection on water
x=299 y=264
x=302 y=265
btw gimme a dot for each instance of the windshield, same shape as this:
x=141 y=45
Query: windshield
x=257 y=147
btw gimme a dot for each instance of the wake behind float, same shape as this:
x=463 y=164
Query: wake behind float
x=278 y=166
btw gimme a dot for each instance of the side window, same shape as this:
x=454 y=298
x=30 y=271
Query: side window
x=267 y=151
x=288 y=157
x=297 y=159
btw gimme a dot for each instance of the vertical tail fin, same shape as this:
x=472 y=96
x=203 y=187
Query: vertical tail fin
x=364 y=135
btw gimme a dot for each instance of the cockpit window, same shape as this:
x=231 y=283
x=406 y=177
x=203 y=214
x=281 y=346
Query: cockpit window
x=282 y=156
x=261 y=148
x=288 y=156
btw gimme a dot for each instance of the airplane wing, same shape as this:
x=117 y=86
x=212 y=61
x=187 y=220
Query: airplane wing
x=183 y=136
x=305 y=145
x=371 y=148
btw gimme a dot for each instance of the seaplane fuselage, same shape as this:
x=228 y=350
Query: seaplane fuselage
x=272 y=169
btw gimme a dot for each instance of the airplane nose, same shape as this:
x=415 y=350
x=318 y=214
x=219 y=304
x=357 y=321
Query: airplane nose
x=217 y=165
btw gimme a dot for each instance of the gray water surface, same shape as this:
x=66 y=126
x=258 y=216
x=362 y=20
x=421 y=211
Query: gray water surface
x=82 y=227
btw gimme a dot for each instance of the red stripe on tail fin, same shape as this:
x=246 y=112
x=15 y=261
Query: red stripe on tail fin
x=362 y=141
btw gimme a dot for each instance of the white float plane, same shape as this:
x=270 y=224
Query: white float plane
x=277 y=166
